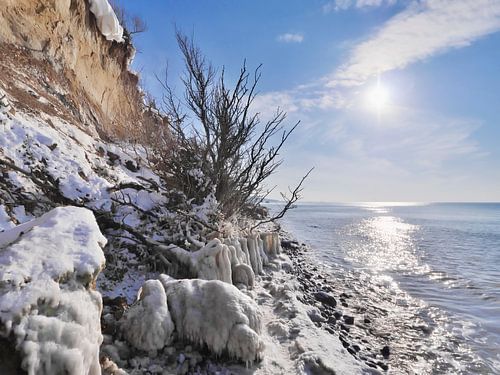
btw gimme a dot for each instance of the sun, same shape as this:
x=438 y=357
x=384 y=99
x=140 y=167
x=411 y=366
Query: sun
x=378 y=98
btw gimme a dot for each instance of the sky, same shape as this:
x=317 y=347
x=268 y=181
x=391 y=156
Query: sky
x=399 y=100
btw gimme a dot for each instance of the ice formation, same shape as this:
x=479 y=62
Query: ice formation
x=243 y=274
x=147 y=324
x=216 y=314
x=107 y=22
x=46 y=302
x=235 y=260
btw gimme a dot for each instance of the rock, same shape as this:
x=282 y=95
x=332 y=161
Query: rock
x=325 y=298
x=386 y=351
x=337 y=314
x=130 y=165
x=344 y=328
x=383 y=366
x=315 y=315
x=348 y=319
x=112 y=157
x=289 y=244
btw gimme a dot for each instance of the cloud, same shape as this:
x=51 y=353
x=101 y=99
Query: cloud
x=338 y=5
x=422 y=30
x=409 y=157
x=291 y=38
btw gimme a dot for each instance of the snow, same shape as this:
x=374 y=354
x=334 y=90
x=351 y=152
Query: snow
x=46 y=304
x=107 y=22
x=147 y=325
x=216 y=314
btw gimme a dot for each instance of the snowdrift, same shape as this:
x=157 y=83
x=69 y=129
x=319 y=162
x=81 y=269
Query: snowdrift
x=47 y=305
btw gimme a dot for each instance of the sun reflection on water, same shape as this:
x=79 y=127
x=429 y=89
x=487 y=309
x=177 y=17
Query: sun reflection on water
x=385 y=243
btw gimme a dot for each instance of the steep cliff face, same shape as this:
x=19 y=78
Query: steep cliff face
x=55 y=47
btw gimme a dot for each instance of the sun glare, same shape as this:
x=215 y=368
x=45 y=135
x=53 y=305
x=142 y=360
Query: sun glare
x=378 y=98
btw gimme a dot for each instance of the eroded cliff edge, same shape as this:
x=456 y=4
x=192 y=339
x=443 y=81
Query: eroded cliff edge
x=72 y=71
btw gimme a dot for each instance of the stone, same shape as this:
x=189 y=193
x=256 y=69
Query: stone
x=325 y=298
x=386 y=351
x=348 y=319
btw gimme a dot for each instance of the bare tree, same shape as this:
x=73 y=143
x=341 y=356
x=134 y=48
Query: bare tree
x=132 y=24
x=221 y=145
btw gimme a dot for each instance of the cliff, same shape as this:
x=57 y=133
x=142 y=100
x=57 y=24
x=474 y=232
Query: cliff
x=54 y=60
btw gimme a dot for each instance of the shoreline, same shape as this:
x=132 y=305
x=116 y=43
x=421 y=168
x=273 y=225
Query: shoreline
x=341 y=314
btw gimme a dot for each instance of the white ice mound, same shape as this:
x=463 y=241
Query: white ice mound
x=215 y=314
x=147 y=324
x=107 y=22
x=47 y=269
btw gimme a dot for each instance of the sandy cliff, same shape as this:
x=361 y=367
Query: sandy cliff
x=55 y=47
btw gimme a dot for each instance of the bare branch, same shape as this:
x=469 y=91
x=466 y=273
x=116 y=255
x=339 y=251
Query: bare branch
x=289 y=202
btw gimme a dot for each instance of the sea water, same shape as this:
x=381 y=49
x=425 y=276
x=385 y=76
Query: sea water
x=431 y=271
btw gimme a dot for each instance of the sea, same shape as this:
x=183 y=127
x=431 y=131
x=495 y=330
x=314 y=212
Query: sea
x=430 y=271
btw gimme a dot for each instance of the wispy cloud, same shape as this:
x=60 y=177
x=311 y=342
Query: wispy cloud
x=291 y=38
x=424 y=29
x=338 y=5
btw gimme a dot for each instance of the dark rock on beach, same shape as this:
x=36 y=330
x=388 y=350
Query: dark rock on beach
x=325 y=298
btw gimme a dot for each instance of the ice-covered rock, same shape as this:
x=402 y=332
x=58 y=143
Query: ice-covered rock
x=147 y=324
x=47 y=306
x=107 y=22
x=243 y=274
x=215 y=314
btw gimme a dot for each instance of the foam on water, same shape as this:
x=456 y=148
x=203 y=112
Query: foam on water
x=429 y=272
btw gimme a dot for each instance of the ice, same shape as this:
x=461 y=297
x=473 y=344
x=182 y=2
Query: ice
x=147 y=325
x=216 y=314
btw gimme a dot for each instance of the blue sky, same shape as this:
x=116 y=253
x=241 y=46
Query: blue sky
x=399 y=100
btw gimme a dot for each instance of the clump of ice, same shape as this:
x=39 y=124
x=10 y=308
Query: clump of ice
x=107 y=22
x=215 y=314
x=147 y=324
x=46 y=303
